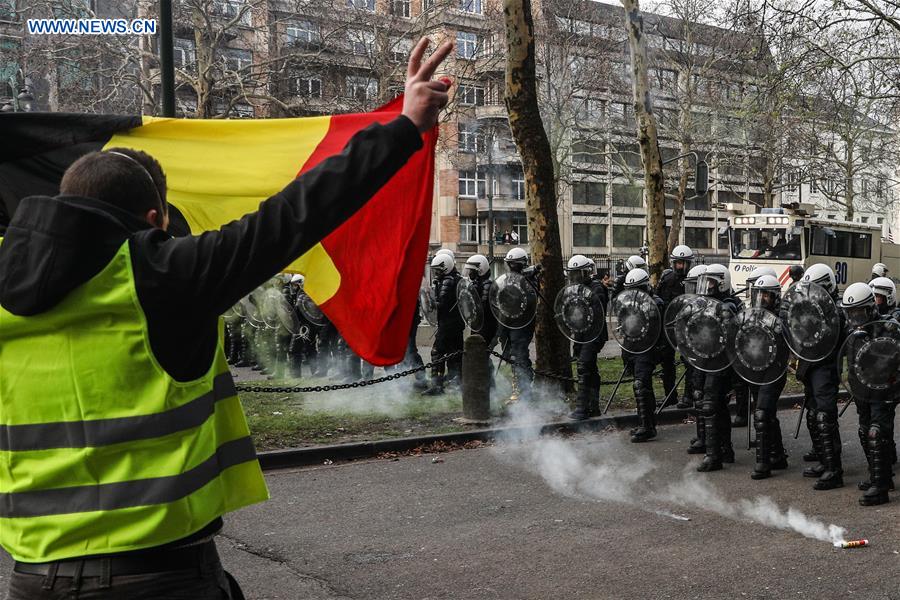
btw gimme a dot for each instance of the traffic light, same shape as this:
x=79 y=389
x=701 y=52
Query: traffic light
x=701 y=180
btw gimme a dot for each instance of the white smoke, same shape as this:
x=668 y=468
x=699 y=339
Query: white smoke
x=607 y=469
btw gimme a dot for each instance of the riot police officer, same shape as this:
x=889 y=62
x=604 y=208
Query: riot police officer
x=694 y=378
x=878 y=270
x=876 y=414
x=742 y=396
x=478 y=270
x=644 y=364
x=516 y=342
x=716 y=283
x=670 y=286
x=633 y=262
x=876 y=419
x=766 y=295
x=820 y=387
x=582 y=271
x=449 y=336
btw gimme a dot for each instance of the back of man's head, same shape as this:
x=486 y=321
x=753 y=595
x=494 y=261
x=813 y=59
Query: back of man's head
x=129 y=179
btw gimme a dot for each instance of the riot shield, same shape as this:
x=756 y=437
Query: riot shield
x=578 y=314
x=810 y=320
x=469 y=304
x=310 y=310
x=701 y=333
x=285 y=313
x=671 y=315
x=251 y=311
x=756 y=346
x=234 y=314
x=869 y=362
x=428 y=305
x=513 y=300
x=635 y=321
x=269 y=308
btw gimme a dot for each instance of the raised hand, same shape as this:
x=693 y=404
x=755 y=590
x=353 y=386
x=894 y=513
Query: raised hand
x=424 y=98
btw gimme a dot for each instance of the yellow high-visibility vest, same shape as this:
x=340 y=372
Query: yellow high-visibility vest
x=101 y=450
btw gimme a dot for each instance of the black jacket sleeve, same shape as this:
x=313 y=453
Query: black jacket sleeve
x=205 y=274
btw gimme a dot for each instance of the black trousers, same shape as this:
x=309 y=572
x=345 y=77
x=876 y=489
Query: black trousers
x=446 y=341
x=588 y=398
x=515 y=344
x=207 y=581
x=820 y=384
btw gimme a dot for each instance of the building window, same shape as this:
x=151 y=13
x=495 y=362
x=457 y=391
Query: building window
x=588 y=109
x=233 y=8
x=520 y=227
x=864 y=219
x=303 y=32
x=471 y=184
x=471 y=6
x=400 y=8
x=368 y=5
x=468 y=229
x=362 y=43
x=793 y=180
x=307 y=86
x=628 y=156
x=362 y=89
x=621 y=115
x=880 y=220
x=588 y=151
x=428 y=5
x=589 y=192
x=627 y=195
x=400 y=50
x=698 y=237
x=470 y=95
x=237 y=60
x=184 y=54
x=518 y=186
x=467 y=44
x=7 y=10
x=628 y=236
x=469 y=138
x=589 y=234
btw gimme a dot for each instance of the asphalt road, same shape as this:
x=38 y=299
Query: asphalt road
x=486 y=523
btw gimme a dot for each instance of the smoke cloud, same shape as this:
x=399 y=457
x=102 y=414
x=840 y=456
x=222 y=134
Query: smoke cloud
x=608 y=469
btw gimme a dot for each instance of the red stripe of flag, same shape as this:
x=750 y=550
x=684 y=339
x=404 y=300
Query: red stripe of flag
x=380 y=252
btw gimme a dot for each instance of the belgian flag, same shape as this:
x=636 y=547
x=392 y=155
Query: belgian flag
x=220 y=170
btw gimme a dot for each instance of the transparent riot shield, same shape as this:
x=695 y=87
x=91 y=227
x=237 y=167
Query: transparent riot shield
x=310 y=310
x=428 y=306
x=869 y=362
x=810 y=321
x=469 y=304
x=635 y=321
x=670 y=317
x=578 y=313
x=701 y=333
x=756 y=346
x=513 y=300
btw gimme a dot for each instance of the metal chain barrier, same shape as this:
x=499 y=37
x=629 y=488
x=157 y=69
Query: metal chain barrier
x=546 y=374
x=344 y=386
x=401 y=374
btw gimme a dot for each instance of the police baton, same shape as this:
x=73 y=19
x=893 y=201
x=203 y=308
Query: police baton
x=615 y=389
x=672 y=391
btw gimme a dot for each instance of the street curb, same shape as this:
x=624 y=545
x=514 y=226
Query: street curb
x=316 y=455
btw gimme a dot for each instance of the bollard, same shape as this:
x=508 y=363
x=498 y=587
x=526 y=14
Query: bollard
x=476 y=381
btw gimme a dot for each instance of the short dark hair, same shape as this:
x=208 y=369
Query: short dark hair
x=121 y=181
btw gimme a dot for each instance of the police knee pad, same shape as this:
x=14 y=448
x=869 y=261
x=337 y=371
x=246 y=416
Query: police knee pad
x=875 y=432
x=708 y=408
x=640 y=389
x=759 y=416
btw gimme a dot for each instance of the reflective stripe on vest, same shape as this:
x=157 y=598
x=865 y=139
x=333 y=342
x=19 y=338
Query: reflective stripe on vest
x=101 y=451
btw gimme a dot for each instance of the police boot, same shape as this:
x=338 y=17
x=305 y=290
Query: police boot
x=817 y=469
x=879 y=469
x=763 y=467
x=724 y=429
x=830 y=440
x=583 y=399
x=421 y=382
x=813 y=454
x=713 y=459
x=777 y=455
x=863 y=434
x=698 y=444
x=646 y=409
x=436 y=388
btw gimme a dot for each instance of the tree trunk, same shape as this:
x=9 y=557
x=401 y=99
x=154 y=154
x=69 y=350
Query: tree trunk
x=540 y=188
x=145 y=47
x=848 y=186
x=648 y=139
